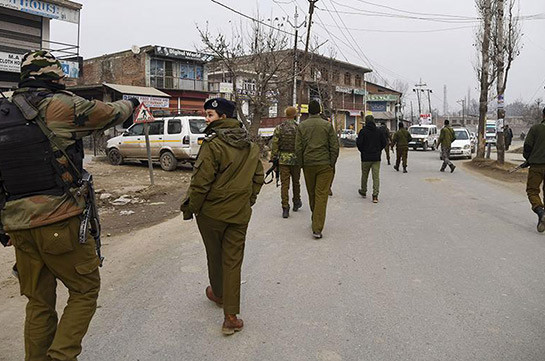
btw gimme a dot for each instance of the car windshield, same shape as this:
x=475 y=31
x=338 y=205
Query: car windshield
x=491 y=129
x=418 y=130
x=461 y=135
x=197 y=126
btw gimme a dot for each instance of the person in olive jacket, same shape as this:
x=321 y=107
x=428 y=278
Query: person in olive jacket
x=446 y=137
x=317 y=149
x=534 y=153
x=401 y=140
x=227 y=179
x=371 y=141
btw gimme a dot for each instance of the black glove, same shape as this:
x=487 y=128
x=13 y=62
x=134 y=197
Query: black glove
x=135 y=102
x=188 y=215
x=4 y=239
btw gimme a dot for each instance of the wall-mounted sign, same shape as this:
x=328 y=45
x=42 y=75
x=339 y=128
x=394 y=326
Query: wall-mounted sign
x=343 y=89
x=150 y=102
x=377 y=106
x=43 y=8
x=70 y=68
x=425 y=119
x=382 y=98
x=182 y=54
x=226 y=88
x=10 y=62
x=360 y=92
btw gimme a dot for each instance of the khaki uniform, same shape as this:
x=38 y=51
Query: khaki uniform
x=283 y=148
x=44 y=231
x=317 y=149
x=401 y=140
x=388 y=136
x=446 y=137
x=534 y=153
x=227 y=179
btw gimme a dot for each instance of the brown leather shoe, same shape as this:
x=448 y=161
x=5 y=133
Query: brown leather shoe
x=212 y=297
x=231 y=324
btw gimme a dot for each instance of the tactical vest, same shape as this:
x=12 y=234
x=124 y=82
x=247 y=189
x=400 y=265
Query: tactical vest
x=286 y=141
x=28 y=164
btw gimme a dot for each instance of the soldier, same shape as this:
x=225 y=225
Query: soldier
x=534 y=153
x=317 y=149
x=388 y=137
x=41 y=157
x=401 y=140
x=283 y=150
x=508 y=134
x=446 y=137
x=371 y=141
x=227 y=179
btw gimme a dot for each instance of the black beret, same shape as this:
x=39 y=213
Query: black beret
x=221 y=106
x=314 y=107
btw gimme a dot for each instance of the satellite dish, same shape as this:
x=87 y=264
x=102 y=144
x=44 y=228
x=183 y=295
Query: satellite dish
x=135 y=49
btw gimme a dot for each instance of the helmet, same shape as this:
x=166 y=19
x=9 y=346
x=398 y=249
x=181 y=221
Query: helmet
x=41 y=65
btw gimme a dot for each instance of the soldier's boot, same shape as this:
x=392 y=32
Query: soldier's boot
x=330 y=192
x=297 y=205
x=231 y=324
x=14 y=271
x=375 y=199
x=317 y=235
x=396 y=167
x=362 y=193
x=285 y=212
x=442 y=168
x=389 y=163
x=404 y=169
x=212 y=297
x=540 y=211
x=452 y=168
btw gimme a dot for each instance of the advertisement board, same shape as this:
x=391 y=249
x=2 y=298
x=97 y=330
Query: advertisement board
x=150 y=102
x=425 y=119
x=10 y=62
x=70 y=68
x=43 y=8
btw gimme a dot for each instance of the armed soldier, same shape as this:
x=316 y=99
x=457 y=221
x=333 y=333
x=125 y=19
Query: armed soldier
x=446 y=137
x=401 y=140
x=41 y=171
x=534 y=153
x=388 y=137
x=283 y=150
x=227 y=179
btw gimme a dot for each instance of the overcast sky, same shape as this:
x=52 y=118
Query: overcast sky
x=437 y=52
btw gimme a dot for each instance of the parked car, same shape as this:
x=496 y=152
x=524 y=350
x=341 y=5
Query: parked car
x=172 y=140
x=461 y=147
x=348 y=138
x=473 y=138
x=424 y=136
x=490 y=135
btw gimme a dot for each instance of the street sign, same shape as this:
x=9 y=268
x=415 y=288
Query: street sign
x=143 y=115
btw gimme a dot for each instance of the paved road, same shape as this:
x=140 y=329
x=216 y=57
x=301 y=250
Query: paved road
x=445 y=267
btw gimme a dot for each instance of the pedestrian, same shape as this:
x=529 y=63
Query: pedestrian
x=41 y=163
x=446 y=137
x=508 y=134
x=371 y=141
x=534 y=153
x=401 y=141
x=317 y=149
x=227 y=179
x=388 y=137
x=283 y=150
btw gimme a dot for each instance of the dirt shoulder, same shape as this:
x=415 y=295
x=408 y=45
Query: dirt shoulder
x=491 y=169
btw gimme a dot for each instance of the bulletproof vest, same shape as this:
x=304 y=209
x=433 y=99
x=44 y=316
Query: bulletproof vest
x=288 y=131
x=28 y=164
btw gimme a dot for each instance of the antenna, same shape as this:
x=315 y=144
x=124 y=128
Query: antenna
x=135 y=49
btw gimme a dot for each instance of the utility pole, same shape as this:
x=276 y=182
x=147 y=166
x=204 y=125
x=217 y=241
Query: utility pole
x=463 y=102
x=419 y=89
x=312 y=4
x=412 y=113
x=500 y=84
x=296 y=26
x=445 y=101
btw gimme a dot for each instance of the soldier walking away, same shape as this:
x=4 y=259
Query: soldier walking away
x=283 y=150
x=371 y=141
x=227 y=179
x=388 y=136
x=44 y=199
x=508 y=134
x=534 y=153
x=401 y=141
x=446 y=137
x=317 y=149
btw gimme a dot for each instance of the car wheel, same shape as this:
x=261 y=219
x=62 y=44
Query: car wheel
x=425 y=147
x=115 y=157
x=168 y=161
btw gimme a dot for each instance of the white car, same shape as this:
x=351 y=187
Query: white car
x=461 y=147
x=424 y=136
x=172 y=139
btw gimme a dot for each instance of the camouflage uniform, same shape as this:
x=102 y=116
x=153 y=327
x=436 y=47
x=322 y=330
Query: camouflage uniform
x=44 y=229
x=283 y=148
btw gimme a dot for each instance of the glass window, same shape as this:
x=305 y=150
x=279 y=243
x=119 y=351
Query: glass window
x=347 y=79
x=156 y=128
x=198 y=72
x=418 y=130
x=358 y=81
x=174 y=126
x=137 y=129
x=197 y=126
x=461 y=134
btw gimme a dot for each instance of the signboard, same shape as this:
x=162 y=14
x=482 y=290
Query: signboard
x=360 y=92
x=304 y=109
x=150 y=102
x=182 y=54
x=273 y=110
x=10 y=62
x=382 y=98
x=226 y=88
x=499 y=125
x=501 y=102
x=377 y=106
x=143 y=115
x=43 y=8
x=70 y=68
x=343 y=89
x=425 y=119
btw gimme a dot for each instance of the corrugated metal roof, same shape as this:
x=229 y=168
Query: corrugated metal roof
x=137 y=90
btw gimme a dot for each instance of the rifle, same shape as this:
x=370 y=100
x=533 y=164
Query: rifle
x=90 y=222
x=519 y=167
x=4 y=238
x=274 y=168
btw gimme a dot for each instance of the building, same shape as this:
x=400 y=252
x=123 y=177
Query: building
x=25 y=26
x=384 y=104
x=170 y=81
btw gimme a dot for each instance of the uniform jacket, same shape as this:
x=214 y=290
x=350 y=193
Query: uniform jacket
x=316 y=142
x=228 y=174
x=446 y=137
x=371 y=141
x=387 y=135
x=534 y=145
x=71 y=118
x=402 y=138
x=285 y=156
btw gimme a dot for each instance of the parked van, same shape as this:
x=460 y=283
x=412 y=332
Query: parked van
x=424 y=136
x=172 y=140
x=490 y=135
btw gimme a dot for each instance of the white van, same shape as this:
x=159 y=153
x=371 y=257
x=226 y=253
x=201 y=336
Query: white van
x=424 y=136
x=172 y=139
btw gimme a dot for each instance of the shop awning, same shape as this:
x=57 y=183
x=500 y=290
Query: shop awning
x=137 y=90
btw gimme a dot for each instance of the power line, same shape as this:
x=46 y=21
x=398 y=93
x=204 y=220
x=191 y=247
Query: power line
x=408 y=31
x=414 y=13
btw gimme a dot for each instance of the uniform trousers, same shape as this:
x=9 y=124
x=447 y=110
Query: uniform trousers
x=224 y=243
x=536 y=177
x=45 y=254
x=288 y=172
x=402 y=154
x=374 y=167
x=318 y=179
x=387 y=150
x=445 y=154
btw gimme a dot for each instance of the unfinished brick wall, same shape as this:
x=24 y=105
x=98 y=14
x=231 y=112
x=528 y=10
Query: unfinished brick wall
x=122 y=68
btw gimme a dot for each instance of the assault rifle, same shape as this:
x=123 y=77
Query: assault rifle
x=4 y=238
x=519 y=167
x=90 y=222
x=275 y=168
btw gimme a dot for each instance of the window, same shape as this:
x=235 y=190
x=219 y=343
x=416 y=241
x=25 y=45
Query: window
x=325 y=74
x=347 y=79
x=157 y=73
x=336 y=76
x=197 y=126
x=137 y=129
x=174 y=126
x=156 y=128
x=358 y=81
